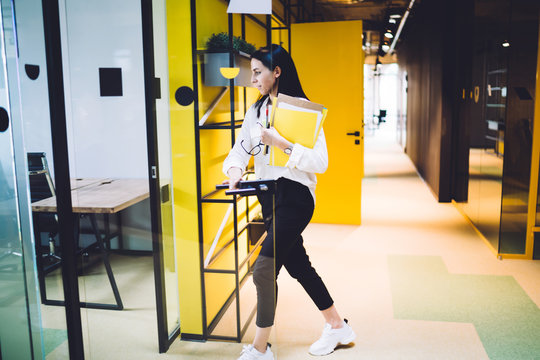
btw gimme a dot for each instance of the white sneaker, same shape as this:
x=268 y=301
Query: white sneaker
x=250 y=353
x=331 y=338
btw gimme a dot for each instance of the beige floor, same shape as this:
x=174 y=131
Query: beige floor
x=400 y=217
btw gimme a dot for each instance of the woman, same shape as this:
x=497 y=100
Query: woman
x=273 y=72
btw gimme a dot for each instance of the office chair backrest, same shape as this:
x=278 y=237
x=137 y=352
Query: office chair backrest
x=41 y=185
x=382 y=113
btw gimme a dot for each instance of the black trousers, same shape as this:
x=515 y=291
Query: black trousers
x=284 y=245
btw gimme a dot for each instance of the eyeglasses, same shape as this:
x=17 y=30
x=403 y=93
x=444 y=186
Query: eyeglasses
x=254 y=150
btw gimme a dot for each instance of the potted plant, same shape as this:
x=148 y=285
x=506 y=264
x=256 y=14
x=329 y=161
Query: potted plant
x=216 y=60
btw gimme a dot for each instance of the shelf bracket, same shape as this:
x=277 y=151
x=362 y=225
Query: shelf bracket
x=213 y=105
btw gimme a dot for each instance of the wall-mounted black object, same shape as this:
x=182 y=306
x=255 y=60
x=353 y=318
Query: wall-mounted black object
x=165 y=193
x=4 y=119
x=523 y=93
x=157 y=87
x=110 y=81
x=32 y=71
x=184 y=96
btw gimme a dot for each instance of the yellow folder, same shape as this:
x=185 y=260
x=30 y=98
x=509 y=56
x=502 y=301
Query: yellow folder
x=299 y=121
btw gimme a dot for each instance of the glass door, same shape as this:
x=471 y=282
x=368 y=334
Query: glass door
x=121 y=196
x=21 y=335
x=156 y=69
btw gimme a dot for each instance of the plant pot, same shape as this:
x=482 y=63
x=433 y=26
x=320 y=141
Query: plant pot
x=215 y=60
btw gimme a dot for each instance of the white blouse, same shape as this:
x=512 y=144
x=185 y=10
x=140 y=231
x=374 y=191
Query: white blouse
x=303 y=162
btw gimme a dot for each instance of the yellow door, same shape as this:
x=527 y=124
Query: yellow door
x=330 y=61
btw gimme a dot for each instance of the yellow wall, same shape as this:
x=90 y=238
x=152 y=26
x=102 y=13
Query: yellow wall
x=211 y=17
x=183 y=165
x=532 y=227
x=330 y=62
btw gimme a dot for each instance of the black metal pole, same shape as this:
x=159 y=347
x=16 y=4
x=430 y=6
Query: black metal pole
x=153 y=173
x=268 y=30
x=66 y=218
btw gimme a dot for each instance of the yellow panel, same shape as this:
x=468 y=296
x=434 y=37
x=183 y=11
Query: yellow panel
x=535 y=161
x=281 y=36
x=167 y=235
x=335 y=80
x=220 y=286
x=214 y=145
x=211 y=18
x=184 y=168
x=255 y=34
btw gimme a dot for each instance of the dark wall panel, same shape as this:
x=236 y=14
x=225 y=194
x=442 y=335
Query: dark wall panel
x=420 y=53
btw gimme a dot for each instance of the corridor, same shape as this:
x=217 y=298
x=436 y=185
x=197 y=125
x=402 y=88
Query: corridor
x=415 y=280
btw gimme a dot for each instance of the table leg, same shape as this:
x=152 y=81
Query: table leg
x=119 y=231
x=107 y=232
x=39 y=259
x=105 y=257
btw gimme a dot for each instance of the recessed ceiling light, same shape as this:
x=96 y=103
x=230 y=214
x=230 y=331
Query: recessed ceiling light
x=388 y=35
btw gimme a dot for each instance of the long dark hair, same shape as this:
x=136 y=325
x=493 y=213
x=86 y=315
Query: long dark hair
x=289 y=83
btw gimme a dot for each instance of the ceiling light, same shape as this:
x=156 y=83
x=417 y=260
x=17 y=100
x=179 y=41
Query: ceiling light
x=505 y=44
x=392 y=21
x=385 y=47
x=395 y=16
x=388 y=35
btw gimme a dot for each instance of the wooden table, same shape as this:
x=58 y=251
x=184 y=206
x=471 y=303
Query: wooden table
x=98 y=196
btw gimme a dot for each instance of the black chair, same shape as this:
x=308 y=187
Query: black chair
x=41 y=187
x=381 y=117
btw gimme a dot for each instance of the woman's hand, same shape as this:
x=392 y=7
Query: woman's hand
x=235 y=175
x=273 y=138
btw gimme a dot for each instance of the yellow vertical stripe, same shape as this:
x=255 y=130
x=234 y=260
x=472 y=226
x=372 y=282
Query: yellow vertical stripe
x=535 y=164
x=184 y=167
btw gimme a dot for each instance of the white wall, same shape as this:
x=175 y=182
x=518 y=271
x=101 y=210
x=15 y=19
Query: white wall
x=107 y=135
x=34 y=93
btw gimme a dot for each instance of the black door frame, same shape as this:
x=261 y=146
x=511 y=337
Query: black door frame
x=66 y=218
x=164 y=338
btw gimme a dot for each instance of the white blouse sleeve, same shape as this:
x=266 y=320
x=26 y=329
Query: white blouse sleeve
x=310 y=160
x=238 y=157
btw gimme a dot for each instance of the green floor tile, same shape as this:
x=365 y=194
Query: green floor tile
x=506 y=319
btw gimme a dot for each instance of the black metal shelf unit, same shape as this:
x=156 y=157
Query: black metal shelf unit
x=255 y=236
x=217 y=197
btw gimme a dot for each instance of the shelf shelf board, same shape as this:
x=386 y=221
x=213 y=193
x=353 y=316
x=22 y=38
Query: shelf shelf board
x=222 y=125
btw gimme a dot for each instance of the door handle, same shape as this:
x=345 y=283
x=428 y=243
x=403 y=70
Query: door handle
x=356 y=133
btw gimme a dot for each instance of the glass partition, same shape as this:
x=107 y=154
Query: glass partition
x=486 y=106
x=21 y=334
x=167 y=250
x=105 y=99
